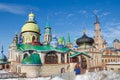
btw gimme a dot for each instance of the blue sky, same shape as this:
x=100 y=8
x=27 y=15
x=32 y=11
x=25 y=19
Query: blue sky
x=65 y=16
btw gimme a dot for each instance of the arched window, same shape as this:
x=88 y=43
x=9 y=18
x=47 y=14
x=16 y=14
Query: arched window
x=33 y=38
x=23 y=39
x=83 y=62
x=62 y=70
x=75 y=59
x=51 y=58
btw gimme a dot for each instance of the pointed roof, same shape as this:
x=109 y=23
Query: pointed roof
x=2 y=56
x=47 y=23
x=68 y=39
x=96 y=19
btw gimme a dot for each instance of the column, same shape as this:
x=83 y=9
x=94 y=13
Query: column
x=42 y=57
x=66 y=58
x=59 y=58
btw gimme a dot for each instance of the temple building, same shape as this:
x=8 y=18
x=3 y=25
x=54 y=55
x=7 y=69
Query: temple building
x=27 y=54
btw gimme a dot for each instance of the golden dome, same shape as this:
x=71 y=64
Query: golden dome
x=30 y=27
x=31 y=15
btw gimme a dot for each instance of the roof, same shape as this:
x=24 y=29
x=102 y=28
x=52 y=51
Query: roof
x=24 y=47
x=75 y=53
x=30 y=26
x=116 y=40
x=1 y=62
x=32 y=59
x=3 y=57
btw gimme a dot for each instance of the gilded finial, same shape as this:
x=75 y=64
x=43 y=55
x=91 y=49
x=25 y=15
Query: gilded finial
x=84 y=31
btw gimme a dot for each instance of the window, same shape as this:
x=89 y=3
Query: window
x=112 y=68
x=63 y=70
x=33 y=38
x=51 y=58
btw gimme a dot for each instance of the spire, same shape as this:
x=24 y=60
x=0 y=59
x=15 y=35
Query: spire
x=84 y=31
x=96 y=19
x=68 y=40
x=2 y=49
x=47 y=23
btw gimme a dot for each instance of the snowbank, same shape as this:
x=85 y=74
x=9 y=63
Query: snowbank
x=101 y=75
x=57 y=78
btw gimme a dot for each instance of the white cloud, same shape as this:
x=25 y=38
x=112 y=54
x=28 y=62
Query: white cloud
x=104 y=14
x=15 y=9
x=83 y=11
x=96 y=11
x=111 y=31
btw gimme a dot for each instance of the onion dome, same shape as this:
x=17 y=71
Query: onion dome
x=60 y=40
x=32 y=59
x=116 y=40
x=54 y=41
x=31 y=25
x=31 y=15
x=85 y=41
x=3 y=57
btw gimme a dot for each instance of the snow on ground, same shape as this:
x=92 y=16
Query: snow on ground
x=100 y=75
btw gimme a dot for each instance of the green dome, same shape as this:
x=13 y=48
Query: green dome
x=32 y=59
x=3 y=57
x=30 y=26
x=60 y=40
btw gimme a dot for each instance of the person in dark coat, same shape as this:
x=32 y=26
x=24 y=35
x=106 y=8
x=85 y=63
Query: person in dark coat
x=77 y=69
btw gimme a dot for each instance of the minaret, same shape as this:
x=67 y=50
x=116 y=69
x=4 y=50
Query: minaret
x=47 y=35
x=69 y=44
x=97 y=27
x=2 y=56
x=2 y=50
x=99 y=42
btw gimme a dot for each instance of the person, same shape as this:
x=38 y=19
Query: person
x=77 y=69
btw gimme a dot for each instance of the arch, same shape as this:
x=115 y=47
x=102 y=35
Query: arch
x=62 y=70
x=83 y=62
x=51 y=58
x=75 y=59
x=33 y=39
x=23 y=39
x=25 y=55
